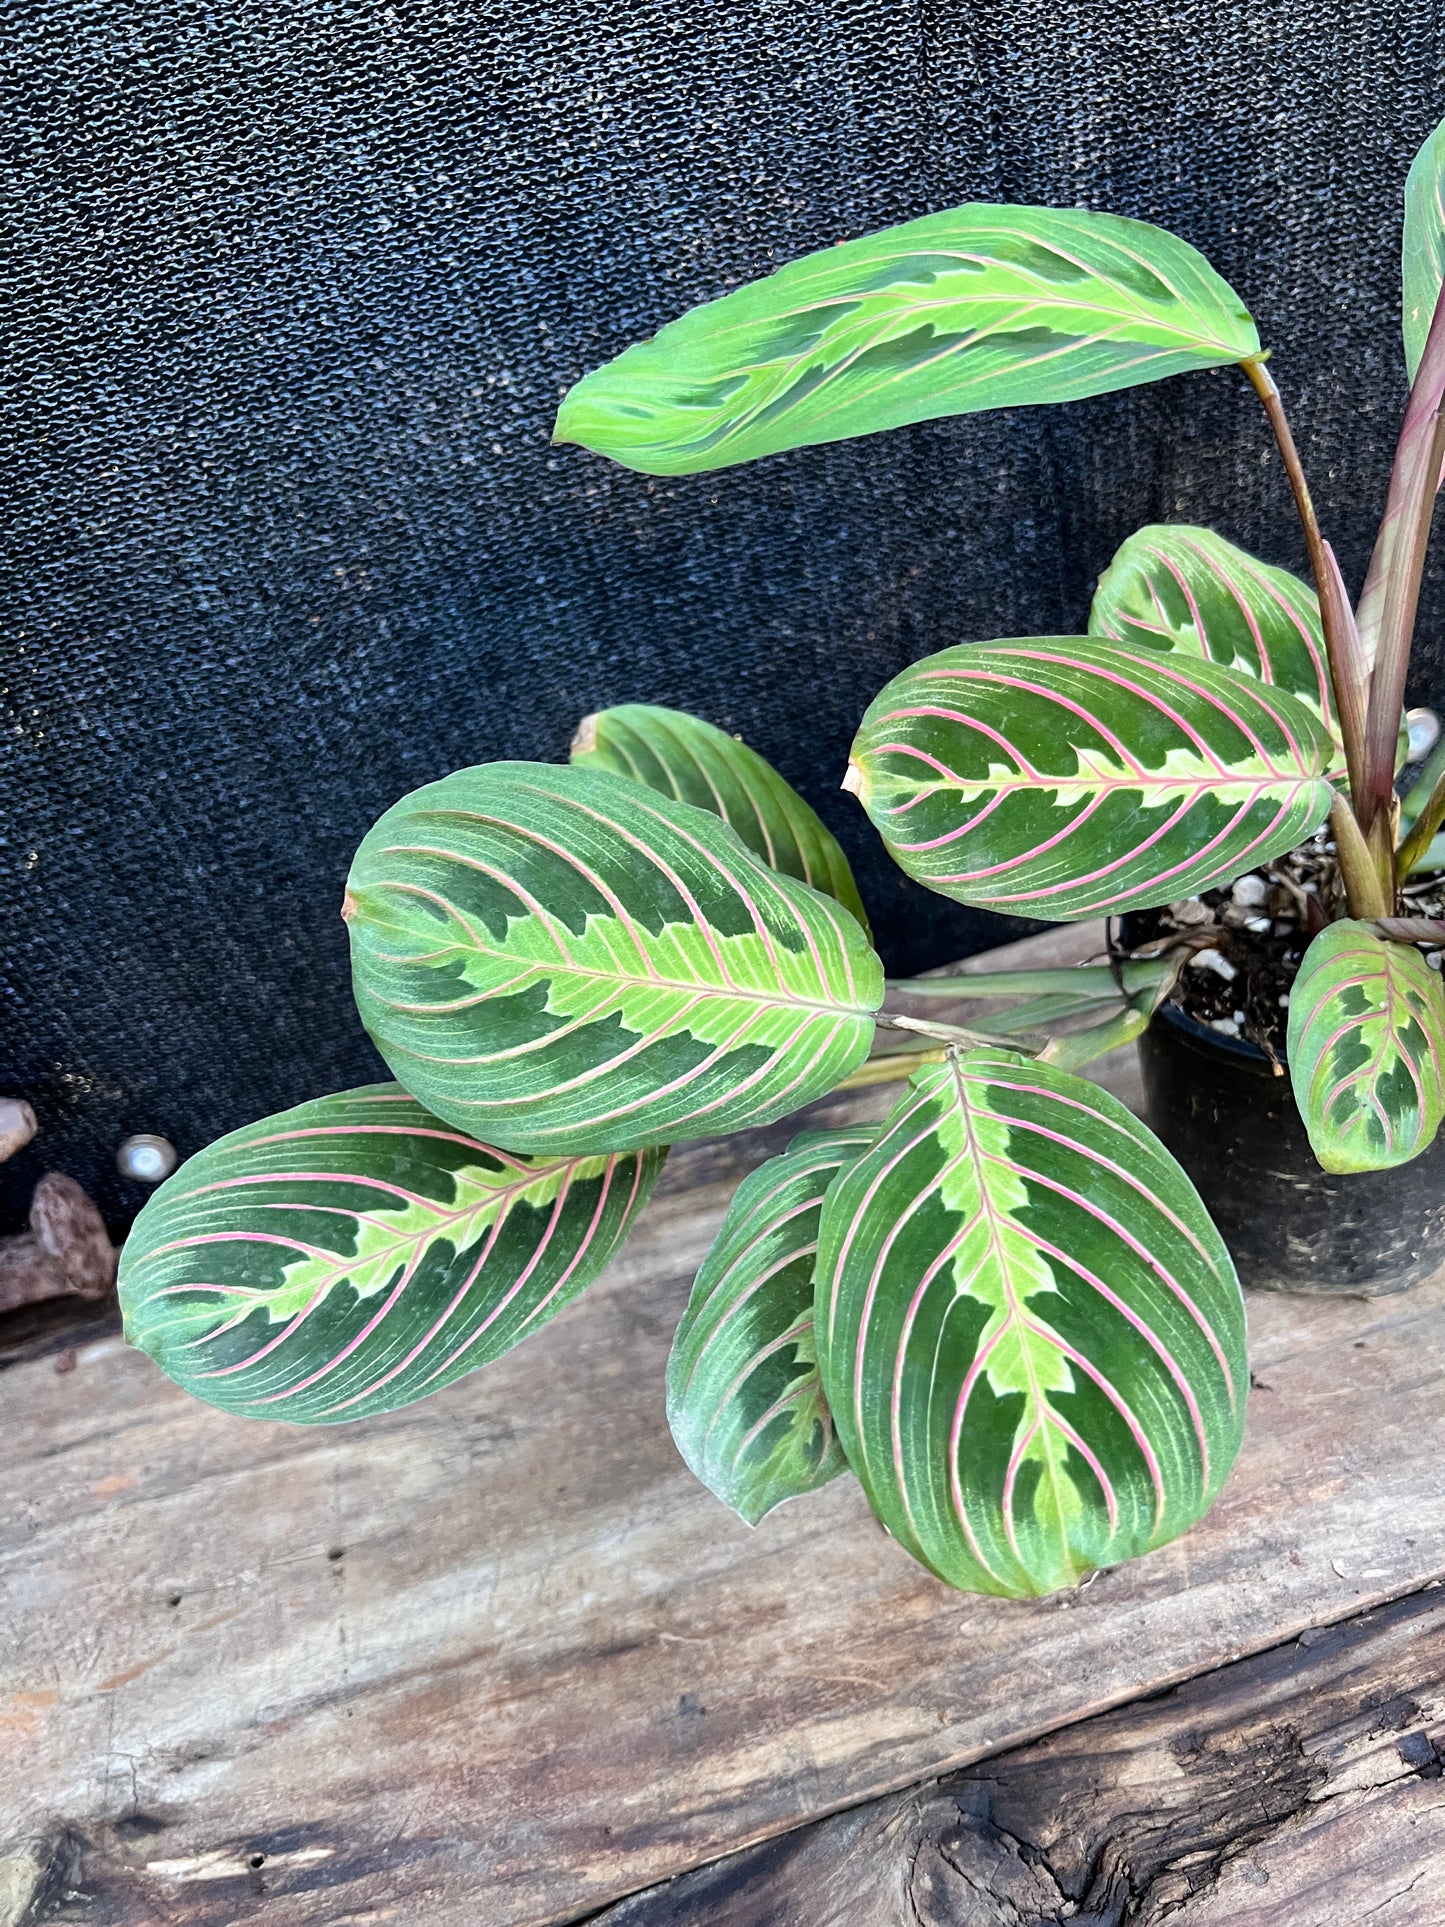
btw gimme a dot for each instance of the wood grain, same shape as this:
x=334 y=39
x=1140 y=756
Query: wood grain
x=498 y=1658
x=1299 y=1789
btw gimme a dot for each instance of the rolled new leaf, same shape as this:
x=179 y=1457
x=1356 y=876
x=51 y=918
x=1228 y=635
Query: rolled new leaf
x=975 y=307
x=1187 y=591
x=1063 y=777
x=1031 y=1335
x=1413 y=478
x=1423 y=253
x=356 y=1253
x=694 y=762
x=744 y=1398
x=560 y=960
x=1366 y=1047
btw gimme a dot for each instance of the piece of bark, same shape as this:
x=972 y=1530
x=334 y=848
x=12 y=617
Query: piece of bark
x=28 y=1273
x=17 y=1126
x=72 y=1231
x=1303 y=1786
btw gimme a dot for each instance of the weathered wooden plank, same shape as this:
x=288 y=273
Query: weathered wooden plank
x=1299 y=1787
x=501 y=1644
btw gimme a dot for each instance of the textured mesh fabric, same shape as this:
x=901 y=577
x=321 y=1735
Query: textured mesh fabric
x=298 y=288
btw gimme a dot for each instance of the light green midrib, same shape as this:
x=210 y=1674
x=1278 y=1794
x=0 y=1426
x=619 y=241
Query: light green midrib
x=726 y=989
x=1016 y=1320
x=1125 y=314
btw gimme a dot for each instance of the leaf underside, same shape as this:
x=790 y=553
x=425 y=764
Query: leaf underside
x=744 y=1398
x=355 y=1253
x=1030 y=1333
x=695 y=762
x=1186 y=591
x=559 y=960
x=1064 y=777
x=1366 y=1047
x=975 y=307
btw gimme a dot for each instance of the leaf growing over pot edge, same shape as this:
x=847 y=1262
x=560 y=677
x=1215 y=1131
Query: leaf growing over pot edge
x=1064 y=777
x=975 y=307
x=744 y=1398
x=560 y=960
x=1186 y=590
x=355 y=1253
x=1366 y=1047
x=1030 y=1332
x=694 y=762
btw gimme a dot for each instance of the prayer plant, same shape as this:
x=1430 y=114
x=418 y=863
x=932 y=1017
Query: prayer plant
x=1004 y=1309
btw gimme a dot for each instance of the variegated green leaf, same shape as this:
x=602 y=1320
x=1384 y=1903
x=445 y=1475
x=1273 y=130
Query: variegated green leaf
x=1031 y=1335
x=744 y=1399
x=561 y=960
x=1064 y=777
x=694 y=762
x=1187 y=591
x=1366 y=1048
x=976 y=307
x=1423 y=262
x=355 y=1253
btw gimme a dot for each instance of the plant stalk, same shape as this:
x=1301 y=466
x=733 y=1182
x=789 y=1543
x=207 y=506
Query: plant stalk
x=1365 y=890
x=958 y=1034
x=1423 y=830
x=1402 y=599
x=891 y=1067
x=1352 y=685
x=1349 y=672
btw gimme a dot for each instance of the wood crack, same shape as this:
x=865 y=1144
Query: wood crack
x=1269 y=1787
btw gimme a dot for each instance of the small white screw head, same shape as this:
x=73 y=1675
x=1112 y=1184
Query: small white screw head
x=148 y=1158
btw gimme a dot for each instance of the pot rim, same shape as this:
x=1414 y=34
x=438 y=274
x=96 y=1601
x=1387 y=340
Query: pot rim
x=1202 y=1037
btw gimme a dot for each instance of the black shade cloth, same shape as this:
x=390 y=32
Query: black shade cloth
x=298 y=287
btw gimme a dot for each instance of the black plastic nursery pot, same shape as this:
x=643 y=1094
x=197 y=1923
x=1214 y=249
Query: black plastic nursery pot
x=1218 y=1105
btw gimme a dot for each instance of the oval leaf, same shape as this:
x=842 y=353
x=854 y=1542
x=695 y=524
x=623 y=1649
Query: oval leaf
x=744 y=1399
x=1187 y=591
x=1423 y=262
x=354 y=1254
x=1063 y=777
x=1031 y=1335
x=692 y=761
x=559 y=960
x=1366 y=1046
x=976 y=307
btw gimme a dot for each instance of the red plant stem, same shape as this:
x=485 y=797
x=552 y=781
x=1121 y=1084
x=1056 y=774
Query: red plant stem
x=1420 y=457
x=1352 y=681
x=1349 y=674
